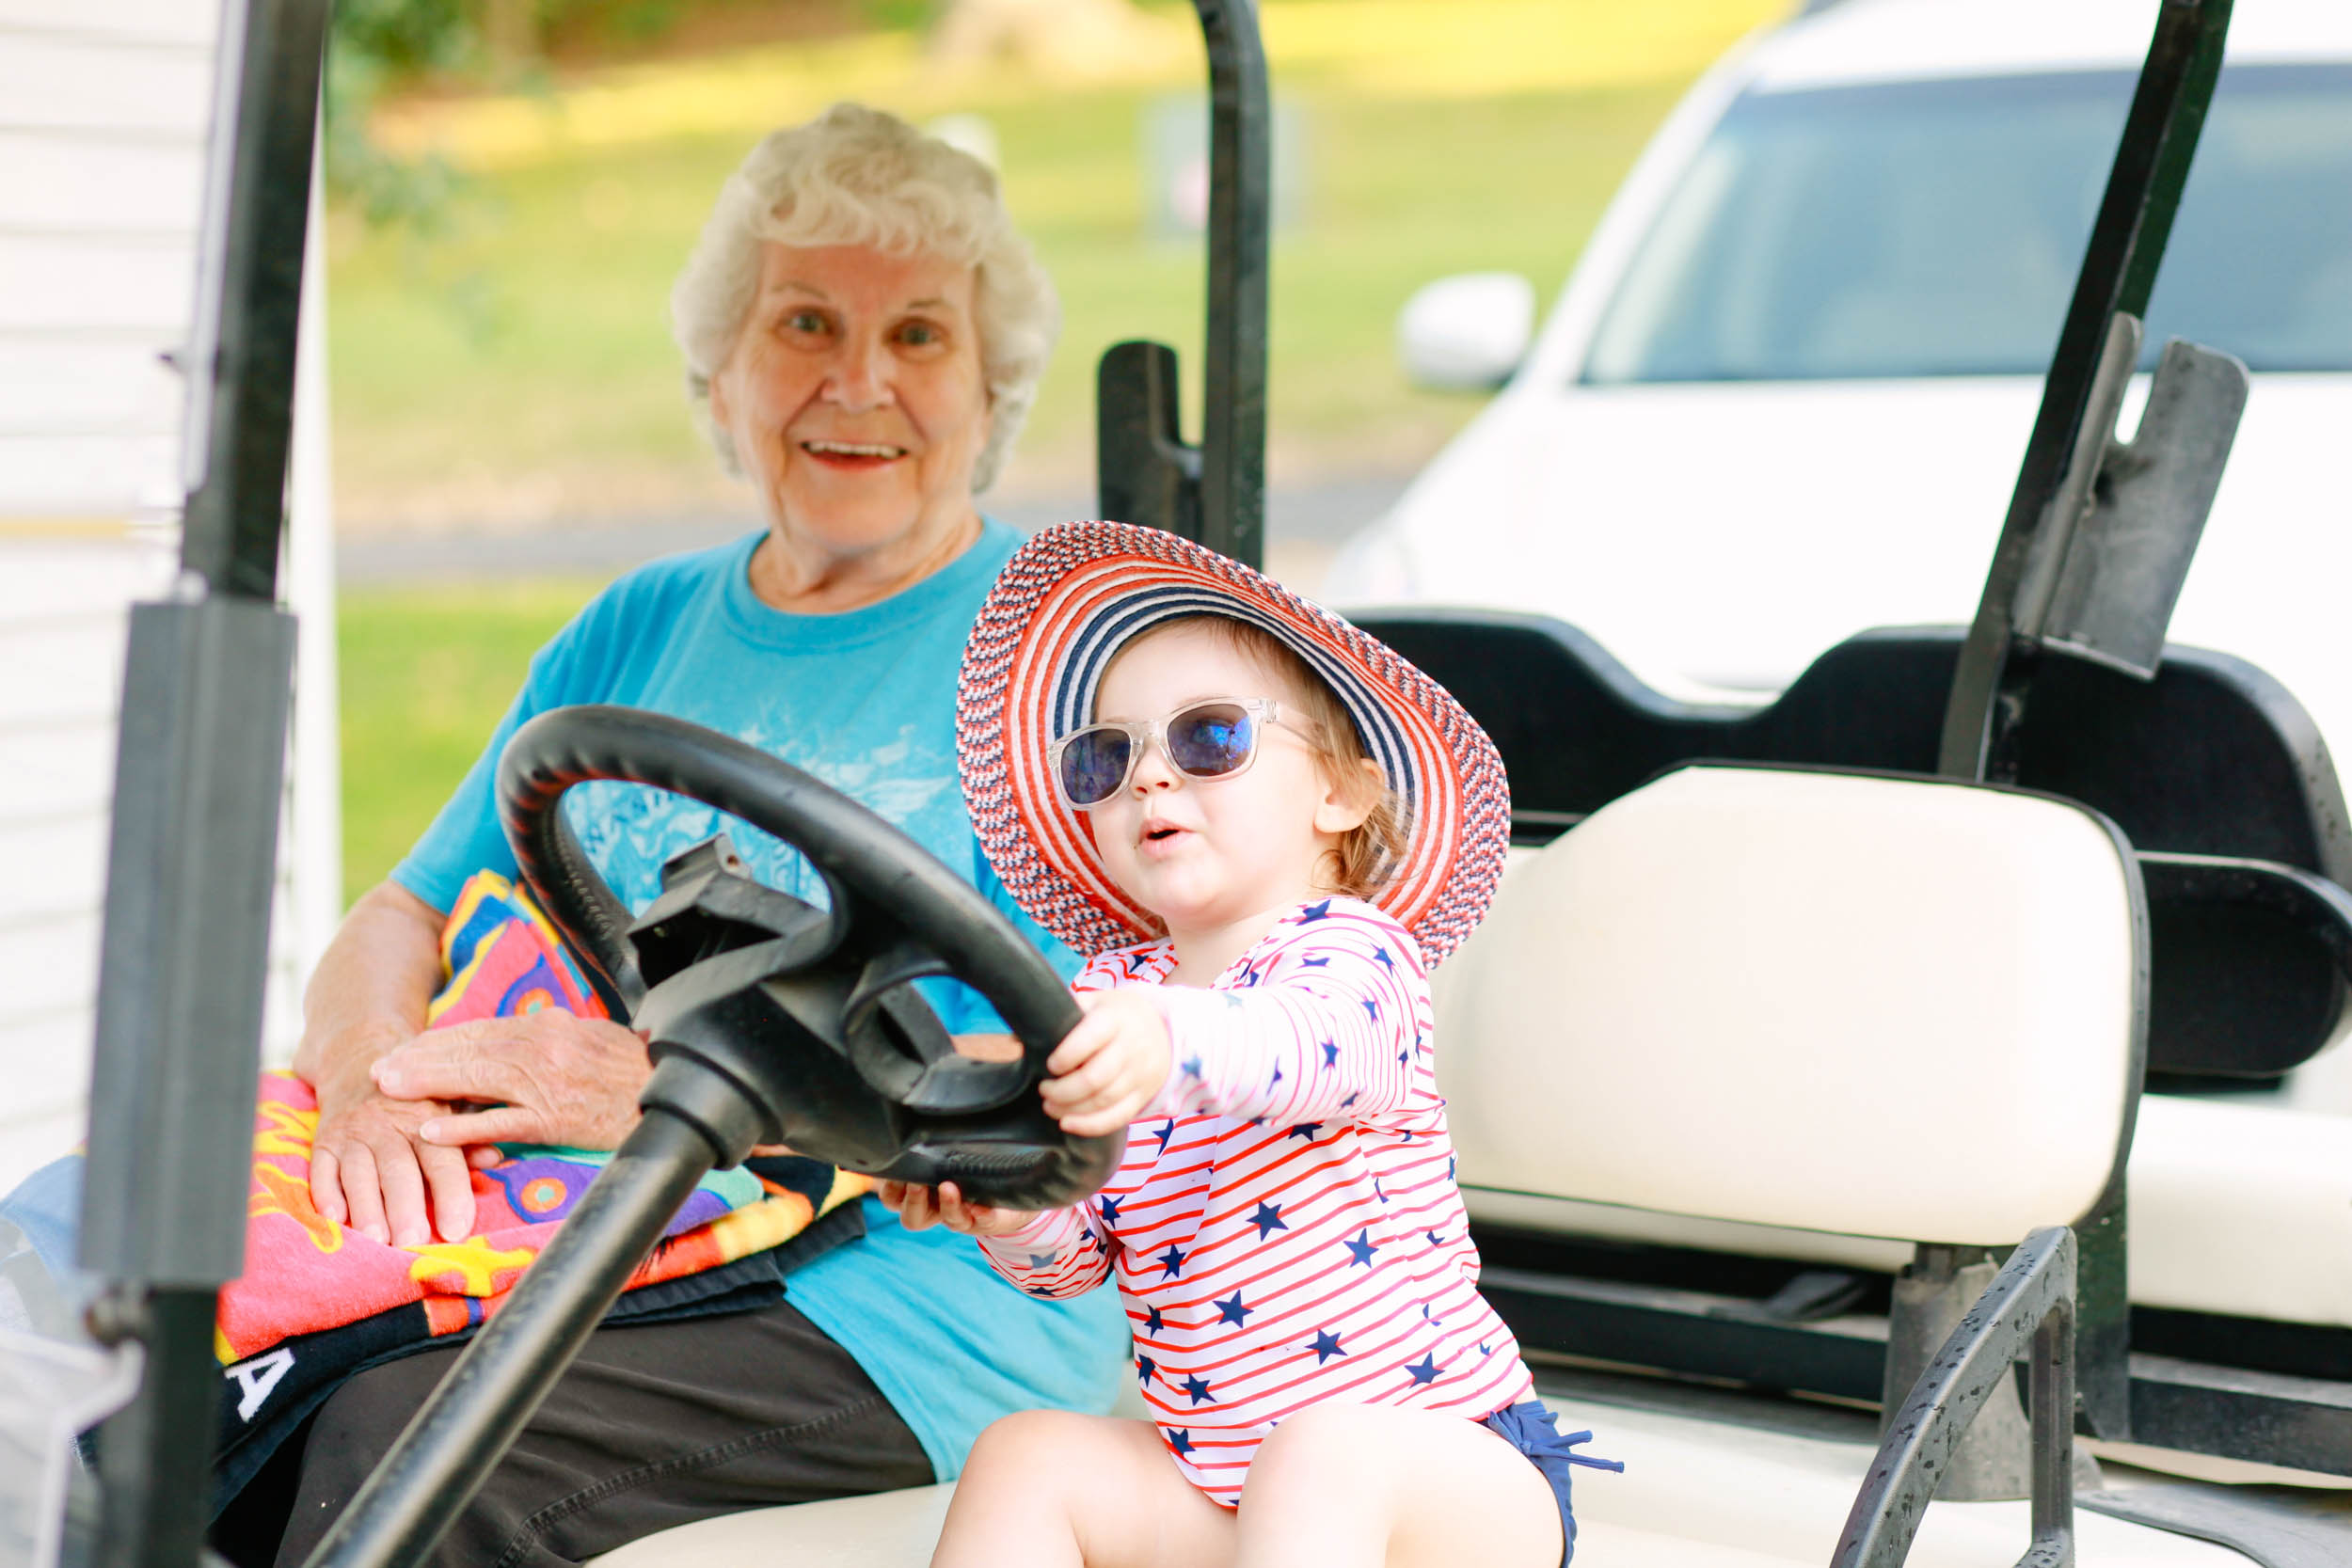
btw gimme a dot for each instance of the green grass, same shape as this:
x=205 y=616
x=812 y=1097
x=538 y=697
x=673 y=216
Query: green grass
x=531 y=343
x=426 y=676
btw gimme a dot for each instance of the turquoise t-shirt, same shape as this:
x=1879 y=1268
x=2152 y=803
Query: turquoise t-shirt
x=865 y=702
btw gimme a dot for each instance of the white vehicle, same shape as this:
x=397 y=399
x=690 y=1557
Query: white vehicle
x=1782 y=397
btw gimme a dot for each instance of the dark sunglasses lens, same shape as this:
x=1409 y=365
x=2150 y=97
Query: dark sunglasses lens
x=1211 y=740
x=1094 y=765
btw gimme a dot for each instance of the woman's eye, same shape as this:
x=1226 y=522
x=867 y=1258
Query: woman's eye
x=920 y=335
x=806 y=321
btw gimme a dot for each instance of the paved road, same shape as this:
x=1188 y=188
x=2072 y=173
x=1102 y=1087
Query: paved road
x=1304 y=525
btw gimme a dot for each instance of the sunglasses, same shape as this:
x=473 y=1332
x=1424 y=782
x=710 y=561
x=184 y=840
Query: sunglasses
x=1216 y=738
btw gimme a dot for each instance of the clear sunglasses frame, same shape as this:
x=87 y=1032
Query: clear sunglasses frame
x=1143 y=734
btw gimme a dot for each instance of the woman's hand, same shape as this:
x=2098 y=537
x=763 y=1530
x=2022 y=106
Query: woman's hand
x=1107 y=1069
x=545 y=1077
x=920 y=1207
x=370 y=1171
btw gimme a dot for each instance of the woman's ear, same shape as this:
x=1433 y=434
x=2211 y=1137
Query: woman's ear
x=718 y=414
x=1350 y=797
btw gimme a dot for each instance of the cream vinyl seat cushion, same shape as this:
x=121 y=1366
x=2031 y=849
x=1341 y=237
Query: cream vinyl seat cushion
x=889 y=1530
x=2243 y=1210
x=1760 y=994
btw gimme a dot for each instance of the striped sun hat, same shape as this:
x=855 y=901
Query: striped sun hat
x=1070 y=598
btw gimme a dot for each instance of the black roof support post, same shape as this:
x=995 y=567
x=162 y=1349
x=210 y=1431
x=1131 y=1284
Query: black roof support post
x=191 y=860
x=2119 y=270
x=1233 y=401
x=1145 y=473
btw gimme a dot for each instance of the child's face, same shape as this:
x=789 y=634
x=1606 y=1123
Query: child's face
x=1201 y=853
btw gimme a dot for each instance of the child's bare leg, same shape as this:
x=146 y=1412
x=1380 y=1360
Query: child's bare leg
x=1049 y=1489
x=1348 y=1485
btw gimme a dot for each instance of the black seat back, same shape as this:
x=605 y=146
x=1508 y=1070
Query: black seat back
x=2212 y=759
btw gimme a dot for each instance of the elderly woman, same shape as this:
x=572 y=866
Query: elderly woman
x=863 y=332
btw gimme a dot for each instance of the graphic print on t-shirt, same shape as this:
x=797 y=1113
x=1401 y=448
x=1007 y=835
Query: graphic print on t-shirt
x=630 y=831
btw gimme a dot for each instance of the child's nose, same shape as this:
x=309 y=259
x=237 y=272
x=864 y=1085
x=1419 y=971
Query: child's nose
x=1154 y=772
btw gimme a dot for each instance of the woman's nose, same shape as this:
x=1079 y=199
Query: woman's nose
x=861 y=377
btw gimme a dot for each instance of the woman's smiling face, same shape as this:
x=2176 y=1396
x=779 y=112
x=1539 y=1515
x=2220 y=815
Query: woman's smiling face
x=855 y=399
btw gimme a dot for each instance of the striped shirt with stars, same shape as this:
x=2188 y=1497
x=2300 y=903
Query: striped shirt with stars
x=1285 y=1226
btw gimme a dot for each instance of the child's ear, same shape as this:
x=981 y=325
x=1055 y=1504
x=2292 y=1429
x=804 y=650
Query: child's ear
x=1350 y=797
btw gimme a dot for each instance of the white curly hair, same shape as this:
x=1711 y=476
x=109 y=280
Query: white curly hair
x=859 y=176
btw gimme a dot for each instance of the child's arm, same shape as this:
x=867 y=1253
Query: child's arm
x=1334 y=1031
x=1059 y=1253
x=1054 y=1252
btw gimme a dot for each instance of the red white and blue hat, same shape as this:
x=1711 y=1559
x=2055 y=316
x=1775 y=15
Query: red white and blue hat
x=1070 y=598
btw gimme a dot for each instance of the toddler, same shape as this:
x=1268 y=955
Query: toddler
x=1160 y=744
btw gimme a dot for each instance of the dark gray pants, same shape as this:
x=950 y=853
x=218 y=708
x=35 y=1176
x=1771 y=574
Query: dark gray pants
x=653 y=1426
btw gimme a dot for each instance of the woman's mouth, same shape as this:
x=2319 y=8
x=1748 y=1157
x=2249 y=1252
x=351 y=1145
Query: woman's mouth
x=853 y=455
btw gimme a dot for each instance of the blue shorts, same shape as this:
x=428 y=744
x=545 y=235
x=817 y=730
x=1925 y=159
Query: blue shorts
x=1535 y=1431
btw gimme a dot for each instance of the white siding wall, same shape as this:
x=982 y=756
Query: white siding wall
x=104 y=108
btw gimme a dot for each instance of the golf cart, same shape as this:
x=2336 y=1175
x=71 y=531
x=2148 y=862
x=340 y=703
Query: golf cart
x=1797 y=1075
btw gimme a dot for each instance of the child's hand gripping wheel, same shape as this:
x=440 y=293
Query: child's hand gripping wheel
x=772 y=1020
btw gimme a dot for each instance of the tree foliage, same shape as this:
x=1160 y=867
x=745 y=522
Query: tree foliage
x=375 y=43
x=406 y=37
x=377 y=47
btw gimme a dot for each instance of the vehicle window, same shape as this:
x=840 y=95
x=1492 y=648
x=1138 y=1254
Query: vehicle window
x=1934 y=229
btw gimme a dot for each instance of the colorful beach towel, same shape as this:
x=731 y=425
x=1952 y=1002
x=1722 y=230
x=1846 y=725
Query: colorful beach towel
x=305 y=1274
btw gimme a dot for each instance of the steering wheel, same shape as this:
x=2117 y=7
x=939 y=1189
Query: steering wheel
x=808 y=1014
